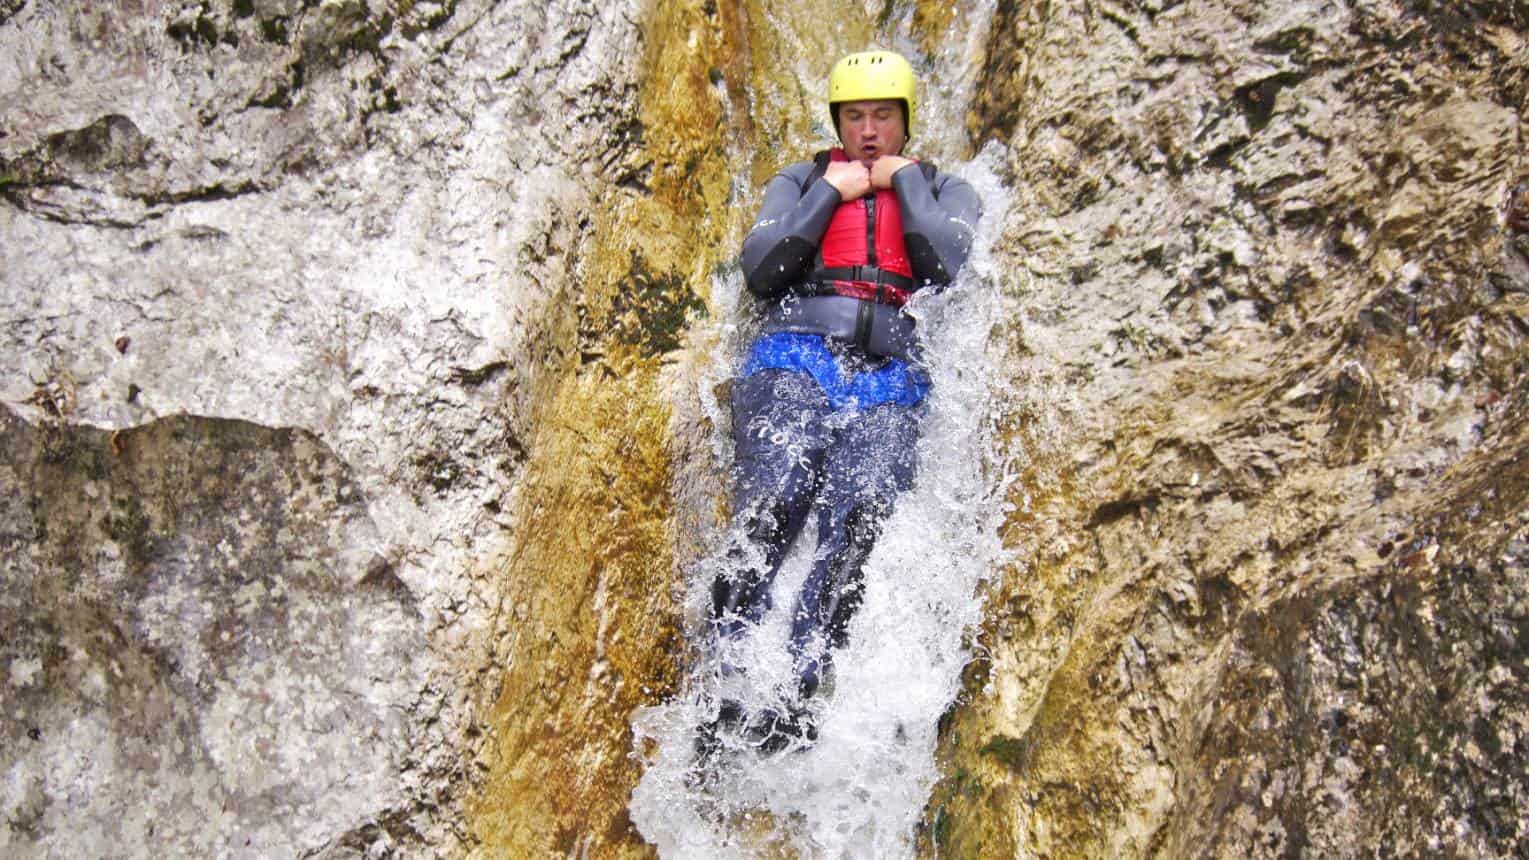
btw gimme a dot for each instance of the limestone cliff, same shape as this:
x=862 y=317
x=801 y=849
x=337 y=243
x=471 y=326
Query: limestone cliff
x=1272 y=305
x=288 y=287
x=355 y=448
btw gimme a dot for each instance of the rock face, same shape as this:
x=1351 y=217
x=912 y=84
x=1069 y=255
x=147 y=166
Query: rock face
x=1272 y=310
x=192 y=625
x=354 y=450
x=284 y=284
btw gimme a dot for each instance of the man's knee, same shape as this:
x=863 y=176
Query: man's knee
x=861 y=526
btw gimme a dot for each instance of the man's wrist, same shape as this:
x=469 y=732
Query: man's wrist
x=903 y=168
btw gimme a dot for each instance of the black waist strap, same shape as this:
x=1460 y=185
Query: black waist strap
x=879 y=329
x=863 y=274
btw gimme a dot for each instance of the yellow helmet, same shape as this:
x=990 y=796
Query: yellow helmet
x=871 y=75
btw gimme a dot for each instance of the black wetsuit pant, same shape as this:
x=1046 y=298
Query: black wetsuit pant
x=797 y=457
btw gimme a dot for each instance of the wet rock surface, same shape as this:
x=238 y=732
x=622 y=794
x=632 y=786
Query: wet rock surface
x=1269 y=306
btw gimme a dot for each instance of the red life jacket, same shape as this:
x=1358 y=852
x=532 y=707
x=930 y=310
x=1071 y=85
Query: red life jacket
x=863 y=255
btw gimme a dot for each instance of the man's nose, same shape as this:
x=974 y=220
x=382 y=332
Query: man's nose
x=867 y=127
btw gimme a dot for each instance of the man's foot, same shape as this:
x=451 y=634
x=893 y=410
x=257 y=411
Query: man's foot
x=728 y=717
x=708 y=745
x=772 y=731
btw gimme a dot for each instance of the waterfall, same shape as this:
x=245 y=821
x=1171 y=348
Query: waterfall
x=861 y=788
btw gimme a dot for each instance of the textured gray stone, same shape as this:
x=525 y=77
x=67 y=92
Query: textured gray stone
x=199 y=650
x=356 y=224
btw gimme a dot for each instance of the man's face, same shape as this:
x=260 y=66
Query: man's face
x=871 y=129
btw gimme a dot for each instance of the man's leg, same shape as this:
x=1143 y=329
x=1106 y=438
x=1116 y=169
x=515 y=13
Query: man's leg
x=779 y=436
x=779 y=439
x=871 y=460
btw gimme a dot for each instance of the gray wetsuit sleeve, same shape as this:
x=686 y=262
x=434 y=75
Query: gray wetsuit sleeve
x=939 y=222
x=779 y=251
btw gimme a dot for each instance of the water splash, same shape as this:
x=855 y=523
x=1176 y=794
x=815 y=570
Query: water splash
x=860 y=790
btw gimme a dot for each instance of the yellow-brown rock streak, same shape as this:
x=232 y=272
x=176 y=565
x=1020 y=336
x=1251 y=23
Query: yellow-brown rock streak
x=590 y=597
x=591 y=587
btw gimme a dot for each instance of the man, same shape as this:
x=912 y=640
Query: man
x=827 y=406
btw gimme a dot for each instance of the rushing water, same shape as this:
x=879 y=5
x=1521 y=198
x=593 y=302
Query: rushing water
x=860 y=790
